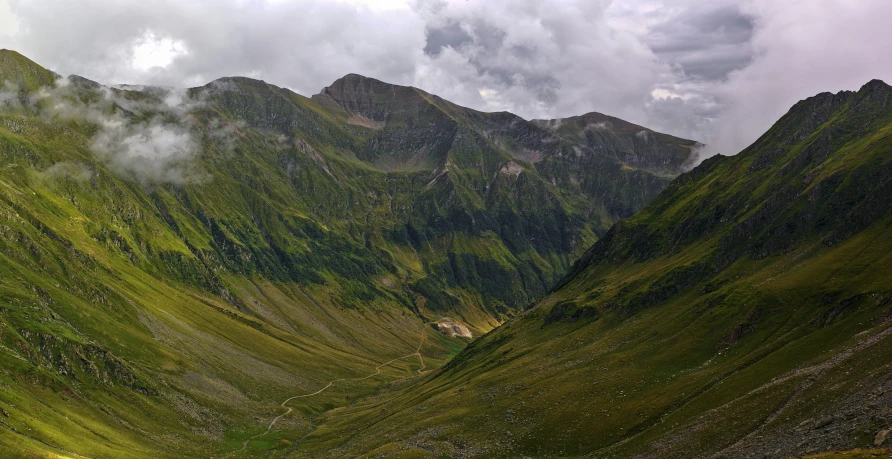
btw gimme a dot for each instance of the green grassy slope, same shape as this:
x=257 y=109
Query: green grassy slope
x=147 y=319
x=744 y=313
x=22 y=74
x=174 y=265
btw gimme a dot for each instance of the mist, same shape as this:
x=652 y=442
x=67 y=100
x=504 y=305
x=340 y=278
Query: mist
x=71 y=170
x=150 y=139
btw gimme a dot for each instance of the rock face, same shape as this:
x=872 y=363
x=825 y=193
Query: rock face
x=377 y=100
x=452 y=329
x=744 y=312
x=881 y=437
x=615 y=164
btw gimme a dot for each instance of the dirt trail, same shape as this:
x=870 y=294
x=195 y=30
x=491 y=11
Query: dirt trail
x=289 y=410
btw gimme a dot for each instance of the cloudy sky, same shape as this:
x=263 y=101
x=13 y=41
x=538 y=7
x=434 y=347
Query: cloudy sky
x=719 y=71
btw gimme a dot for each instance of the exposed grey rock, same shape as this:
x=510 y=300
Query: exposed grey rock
x=881 y=437
x=824 y=422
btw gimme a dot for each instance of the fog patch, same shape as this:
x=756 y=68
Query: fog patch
x=226 y=133
x=602 y=126
x=148 y=137
x=699 y=153
x=554 y=124
x=67 y=170
x=10 y=95
x=152 y=152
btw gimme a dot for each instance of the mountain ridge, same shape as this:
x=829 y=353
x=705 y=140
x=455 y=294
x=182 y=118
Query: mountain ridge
x=24 y=71
x=342 y=93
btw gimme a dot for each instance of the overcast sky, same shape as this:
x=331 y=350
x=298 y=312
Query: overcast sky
x=718 y=71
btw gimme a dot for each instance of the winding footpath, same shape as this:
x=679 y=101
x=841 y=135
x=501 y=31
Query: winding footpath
x=289 y=410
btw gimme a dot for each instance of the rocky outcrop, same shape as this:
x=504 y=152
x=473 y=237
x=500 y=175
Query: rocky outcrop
x=453 y=329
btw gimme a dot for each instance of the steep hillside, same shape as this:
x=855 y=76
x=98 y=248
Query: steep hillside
x=745 y=312
x=607 y=159
x=22 y=74
x=628 y=143
x=176 y=264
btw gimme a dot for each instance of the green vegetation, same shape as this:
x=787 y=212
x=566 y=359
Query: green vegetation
x=175 y=265
x=745 y=312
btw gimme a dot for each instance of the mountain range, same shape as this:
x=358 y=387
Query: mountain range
x=203 y=253
x=745 y=312
x=237 y=270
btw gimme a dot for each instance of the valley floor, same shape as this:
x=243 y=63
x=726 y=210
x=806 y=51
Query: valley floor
x=289 y=409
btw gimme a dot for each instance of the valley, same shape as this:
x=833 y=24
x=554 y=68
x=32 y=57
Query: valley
x=743 y=313
x=236 y=270
x=176 y=263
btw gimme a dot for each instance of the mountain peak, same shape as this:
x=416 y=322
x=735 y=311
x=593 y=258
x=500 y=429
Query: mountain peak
x=594 y=121
x=352 y=79
x=874 y=85
x=369 y=97
x=18 y=70
x=874 y=96
x=810 y=115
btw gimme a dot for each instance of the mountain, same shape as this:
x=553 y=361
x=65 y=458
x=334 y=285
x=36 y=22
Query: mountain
x=23 y=73
x=744 y=312
x=174 y=264
x=628 y=143
x=608 y=159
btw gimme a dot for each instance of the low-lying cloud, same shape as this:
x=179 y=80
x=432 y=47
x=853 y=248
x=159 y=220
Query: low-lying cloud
x=149 y=139
x=76 y=171
x=152 y=151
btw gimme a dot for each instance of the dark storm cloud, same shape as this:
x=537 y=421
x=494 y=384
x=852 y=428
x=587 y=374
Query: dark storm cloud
x=707 y=44
x=451 y=35
x=483 y=44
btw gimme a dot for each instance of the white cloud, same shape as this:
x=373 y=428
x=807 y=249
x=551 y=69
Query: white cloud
x=379 y=5
x=153 y=150
x=801 y=48
x=74 y=171
x=663 y=94
x=153 y=51
x=9 y=25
